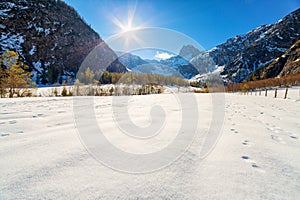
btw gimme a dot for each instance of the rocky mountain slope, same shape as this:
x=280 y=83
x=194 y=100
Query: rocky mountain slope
x=287 y=63
x=242 y=55
x=51 y=37
x=54 y=41
x=269 y=50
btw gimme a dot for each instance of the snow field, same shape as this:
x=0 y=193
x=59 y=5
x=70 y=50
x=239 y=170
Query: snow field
x=42 y=156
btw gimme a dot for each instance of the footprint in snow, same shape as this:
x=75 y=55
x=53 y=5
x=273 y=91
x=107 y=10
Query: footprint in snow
x=253 y=164
x=12 y=121
x=5 y=113
x=233 y=130
x=257 y=168
x=4 y=134
x=246 y=143
x=275 y=129
x=294 y=136
x=245 y=157
x=277 y=139
x=248 y=160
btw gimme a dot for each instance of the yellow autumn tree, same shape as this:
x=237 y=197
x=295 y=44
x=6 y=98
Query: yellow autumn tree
x=14 y=79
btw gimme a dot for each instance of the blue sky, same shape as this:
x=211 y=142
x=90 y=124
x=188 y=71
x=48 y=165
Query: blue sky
x=209 y=22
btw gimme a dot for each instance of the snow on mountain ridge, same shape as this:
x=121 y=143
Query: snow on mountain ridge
x=51 y=33
x=174 y=66
x=244 y=54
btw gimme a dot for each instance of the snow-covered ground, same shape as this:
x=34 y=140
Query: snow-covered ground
x=256 y=157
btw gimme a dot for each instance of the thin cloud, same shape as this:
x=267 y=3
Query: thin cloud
x=163 y=55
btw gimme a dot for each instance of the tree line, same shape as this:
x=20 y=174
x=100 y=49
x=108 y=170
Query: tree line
x=289 y=80
x=16 y=78
x=88 y=76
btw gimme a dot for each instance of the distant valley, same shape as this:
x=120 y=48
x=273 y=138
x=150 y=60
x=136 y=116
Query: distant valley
x=54 y=40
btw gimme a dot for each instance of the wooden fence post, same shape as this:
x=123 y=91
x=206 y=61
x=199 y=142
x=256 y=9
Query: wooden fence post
x=275 y=93
x=286 y=91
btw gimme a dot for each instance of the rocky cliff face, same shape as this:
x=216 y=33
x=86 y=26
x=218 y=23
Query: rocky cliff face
x=242 y=55
x=292 y=64
x=287 y=63
x=51 y=37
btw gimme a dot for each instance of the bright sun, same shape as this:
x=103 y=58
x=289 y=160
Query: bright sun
x=127 y=34
x=128 y=24
x=124 y=27
x=128 y=28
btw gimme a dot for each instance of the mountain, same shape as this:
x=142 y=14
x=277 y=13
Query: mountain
x=131 y=60
x=157 y=68
x=189 y=51
x=242 y=55
x=174 y=66
x=52 y=39
x=287 y=63
x=182 y=65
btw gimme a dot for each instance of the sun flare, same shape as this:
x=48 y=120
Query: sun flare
x=128 y=24
x=127 y=27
